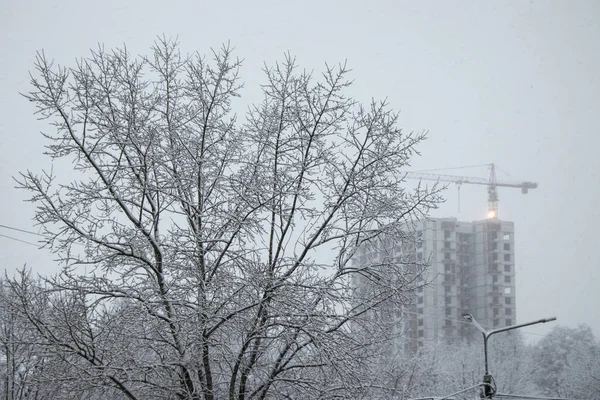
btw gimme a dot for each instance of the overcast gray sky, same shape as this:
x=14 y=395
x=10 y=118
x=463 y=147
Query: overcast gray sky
x=516 y=83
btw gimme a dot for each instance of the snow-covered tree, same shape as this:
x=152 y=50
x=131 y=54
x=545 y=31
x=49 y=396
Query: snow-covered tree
x=568 y=363
x=441 y=368
x=205 y=258
x=18 y=360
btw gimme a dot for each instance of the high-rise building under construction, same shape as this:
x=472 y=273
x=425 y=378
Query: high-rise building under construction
x=472 y=270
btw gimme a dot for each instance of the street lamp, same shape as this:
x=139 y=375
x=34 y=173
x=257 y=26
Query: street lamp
x=487 y=378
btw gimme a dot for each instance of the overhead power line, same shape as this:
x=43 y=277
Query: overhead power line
x=21 y=230
x=449 y=396
x=19 y=240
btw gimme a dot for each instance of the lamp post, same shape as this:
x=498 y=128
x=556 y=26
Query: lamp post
x=487 y=377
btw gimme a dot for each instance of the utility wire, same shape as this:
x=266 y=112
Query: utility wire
x=459 y=392
x=19 y=240
x=21 y=230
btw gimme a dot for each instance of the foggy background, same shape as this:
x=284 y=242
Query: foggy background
x=515 y=83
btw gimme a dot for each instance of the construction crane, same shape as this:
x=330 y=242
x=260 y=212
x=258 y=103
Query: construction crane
x=491 y=183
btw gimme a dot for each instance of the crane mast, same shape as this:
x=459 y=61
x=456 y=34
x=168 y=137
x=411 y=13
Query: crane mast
x=492 y=184
x=492 y=193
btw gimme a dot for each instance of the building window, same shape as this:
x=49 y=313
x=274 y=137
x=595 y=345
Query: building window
x=507 y=257
x=507 y=246
x=447 y=245
x=495 y=299
x=420 y=300
x=447 y=256
x=508 y=321
x=494 y=246
x=419 y=244
x=495 y=256
x=495 y=279
x=508 y=311
x=420 y=322
x=507 y=300
x=448 y=322
x=419 y=256
x=420 y=333
x=448 y=312
x=496 y=322
x=448 y=268
x=507 y=268
x=446 y=234
x=495 y=289
x=496 y=312
x=419 y=310
x=448 y=299
x=494 y=235
x=420 y=289
x=507 y=279
x=506 y=236
x=447 y=289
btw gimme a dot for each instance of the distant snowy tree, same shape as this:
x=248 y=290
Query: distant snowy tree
x=439 y=369
x=568 y=363
x=205 y=258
